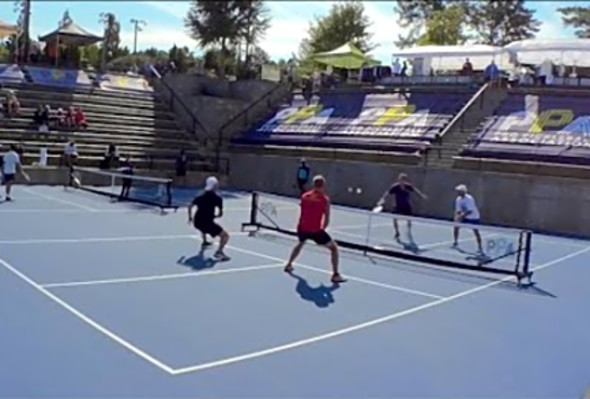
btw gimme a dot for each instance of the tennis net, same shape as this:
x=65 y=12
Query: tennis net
x=123 y=187
x=430 y=241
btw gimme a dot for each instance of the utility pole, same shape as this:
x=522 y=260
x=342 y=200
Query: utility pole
x=137 y=27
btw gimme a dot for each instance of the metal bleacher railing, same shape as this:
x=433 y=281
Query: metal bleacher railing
x=174 y=98
x=244 y=116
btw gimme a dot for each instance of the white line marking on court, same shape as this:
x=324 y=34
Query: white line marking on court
x=352 y=278
x=106 y=239
x=375 y=283
x=142 y=354
x=56 y=199
x=365 y=325
x=160 y=276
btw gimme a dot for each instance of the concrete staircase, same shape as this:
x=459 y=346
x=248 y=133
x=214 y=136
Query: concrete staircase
x=139 y=123
x=461 y=128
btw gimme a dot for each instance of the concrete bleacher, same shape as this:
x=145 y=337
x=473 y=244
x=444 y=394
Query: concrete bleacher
x=395 y=121
x=536 y=126
x=135 y=120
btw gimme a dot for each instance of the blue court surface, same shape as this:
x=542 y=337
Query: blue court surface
x=102 y=299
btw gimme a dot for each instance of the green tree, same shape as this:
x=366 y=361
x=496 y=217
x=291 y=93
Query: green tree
x=111 y=39
x=180 y=57
x=253 y=22
x=346 y=22
x=445 y=27
x=413 y=15
x=498 y=23
x=214 y=24
x=90 y=56
x=578 y=18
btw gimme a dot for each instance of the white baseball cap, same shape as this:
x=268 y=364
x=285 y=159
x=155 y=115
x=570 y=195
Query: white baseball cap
x=461 y=187
x=211 y=183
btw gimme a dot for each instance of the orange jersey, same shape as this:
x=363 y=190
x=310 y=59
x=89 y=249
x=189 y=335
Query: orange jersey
x=314 y=205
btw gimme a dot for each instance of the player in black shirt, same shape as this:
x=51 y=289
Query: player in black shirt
x=402 y=190
x=204 y=219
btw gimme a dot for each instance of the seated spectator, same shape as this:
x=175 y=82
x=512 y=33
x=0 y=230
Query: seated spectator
x=80 y=119
x=60 y=117
x=12 y=104
x=41 y=119
x=467 y=68
x=70 y=117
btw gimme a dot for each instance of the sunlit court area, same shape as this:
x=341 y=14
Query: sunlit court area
x=230 y=217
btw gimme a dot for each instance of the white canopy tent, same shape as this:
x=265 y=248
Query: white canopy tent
x=453 y=57
x=563 y=51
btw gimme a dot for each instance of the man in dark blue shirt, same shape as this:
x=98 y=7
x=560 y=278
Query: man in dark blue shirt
x=402 y=191
x=303 y=173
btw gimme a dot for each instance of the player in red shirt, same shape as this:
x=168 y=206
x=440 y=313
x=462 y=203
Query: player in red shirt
x=313 y=221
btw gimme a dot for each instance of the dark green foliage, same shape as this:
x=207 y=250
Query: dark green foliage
x=346 y=22
x=578 y=18
x=501 y=22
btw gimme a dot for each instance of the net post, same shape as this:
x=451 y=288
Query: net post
x=253 y=222
x=169 y=193
x=527 y=254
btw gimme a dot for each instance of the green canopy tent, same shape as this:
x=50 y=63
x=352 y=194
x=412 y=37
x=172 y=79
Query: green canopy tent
x=347 y=56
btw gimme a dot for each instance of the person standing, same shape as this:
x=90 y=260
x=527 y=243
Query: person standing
x=181 y=167
x=303 y=173
x=314 y=219
x=402 y=190
x=11 y=164
x=466 y=211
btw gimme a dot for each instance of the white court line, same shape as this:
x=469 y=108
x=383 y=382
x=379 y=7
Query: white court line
x=108 y=239
x=160 y=276
x=375 y=283
x=56 y=199
x=142 y=354
x=352 y=278
x=365 y=325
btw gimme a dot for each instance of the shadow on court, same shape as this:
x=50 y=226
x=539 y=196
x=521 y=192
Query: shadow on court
x=198 y=262
x=321 y=296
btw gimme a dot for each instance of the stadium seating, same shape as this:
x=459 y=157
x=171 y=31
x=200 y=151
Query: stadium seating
x=124 y=83
x=403 y=122
x=67 y=78
x=11 y=73
x=539 y=127
x=138 y=123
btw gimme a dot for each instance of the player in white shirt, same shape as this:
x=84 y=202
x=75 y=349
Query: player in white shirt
x=10 y=165
x=466 y=212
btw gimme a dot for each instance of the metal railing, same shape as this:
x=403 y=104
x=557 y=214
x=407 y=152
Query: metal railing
x=220 y=132
x=460 y=115
x=196 y=124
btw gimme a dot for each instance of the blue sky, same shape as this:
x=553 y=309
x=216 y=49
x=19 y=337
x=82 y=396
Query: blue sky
x=290 y=21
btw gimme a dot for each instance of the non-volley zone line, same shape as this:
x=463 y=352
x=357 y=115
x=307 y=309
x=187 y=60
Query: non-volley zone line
x=105 y=239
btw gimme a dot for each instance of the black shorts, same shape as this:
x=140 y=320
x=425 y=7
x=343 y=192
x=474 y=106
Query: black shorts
x=208 y=227
x=319 y=237
x=403 y=210
x=180 y=172
x=8 y=177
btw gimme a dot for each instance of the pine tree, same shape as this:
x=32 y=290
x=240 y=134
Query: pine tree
x=498 y=23
x=253 y=21
x=578 y=18
x=413 y=15
x=214 y=23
